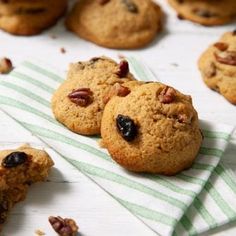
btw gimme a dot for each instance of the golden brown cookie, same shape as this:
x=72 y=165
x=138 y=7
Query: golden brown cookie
x=153 y=129
x=30 y=17
x=218 y=66
x=79 y=102
x=206 y=12
x=116 y=23
x=19 y=168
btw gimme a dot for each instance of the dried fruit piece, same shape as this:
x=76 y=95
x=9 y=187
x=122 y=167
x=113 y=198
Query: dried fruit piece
x=14 y=159
x=167 y=95
x=81 y=97
x=130 y=5
x=116 y=90
x=204 y=13
x=126 y=127
x=221 y=46
x=123 y=69
x=64 y=227
x=226 y=57
x=5 y=65
x=103 y=2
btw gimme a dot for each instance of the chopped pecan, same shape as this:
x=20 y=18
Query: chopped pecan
x=130 y=5
x=64 y=227
x=5 y=65
x=116 y=90
x=167 y=95
x=123 y=69
x=81 y=97
x=221 y=46
x=226 y=57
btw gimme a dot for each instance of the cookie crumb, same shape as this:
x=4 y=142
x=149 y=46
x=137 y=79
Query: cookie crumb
x=63 y=50
x=39 y=232
x=5 y=65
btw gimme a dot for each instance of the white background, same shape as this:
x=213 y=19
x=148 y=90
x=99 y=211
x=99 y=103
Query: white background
x=173 y=57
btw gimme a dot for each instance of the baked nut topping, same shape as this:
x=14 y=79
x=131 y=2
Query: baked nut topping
x=226 y=57
x=167 y=95
x=81 y=97
x=221 y=46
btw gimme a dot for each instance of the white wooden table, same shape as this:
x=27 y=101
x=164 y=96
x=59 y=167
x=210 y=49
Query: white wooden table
x=173 y=57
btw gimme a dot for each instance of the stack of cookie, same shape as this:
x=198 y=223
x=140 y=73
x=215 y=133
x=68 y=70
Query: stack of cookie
x=206 y=12
x=27 y=17
x=146 y=127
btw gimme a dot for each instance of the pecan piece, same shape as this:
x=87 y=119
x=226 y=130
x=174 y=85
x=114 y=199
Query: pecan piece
x=116 y=90
x=204 y=13
x=123 y=69
x=167 y=95
x=130 y=6
x=226 y=57
x=81 y=97
x=221 y=46
x=5 y=65
x=64 y=227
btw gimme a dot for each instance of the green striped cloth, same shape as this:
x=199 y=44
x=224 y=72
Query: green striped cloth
x=188 y=203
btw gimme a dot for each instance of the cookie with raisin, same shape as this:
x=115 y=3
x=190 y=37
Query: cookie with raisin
x=154 y=129
x=208 y=12
x=218 y=66
x=123 y=24
x=79 y=102
x=30 y=17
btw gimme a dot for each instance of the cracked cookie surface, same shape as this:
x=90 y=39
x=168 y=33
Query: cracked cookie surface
x=30 y=17
x=208 y=12
x=79 y=102
x=157 y=130
x=218 y=66
x=116 y=23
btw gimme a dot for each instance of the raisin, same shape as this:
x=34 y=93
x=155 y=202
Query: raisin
x=126 y=127
x=14 y=159
x=123 y=69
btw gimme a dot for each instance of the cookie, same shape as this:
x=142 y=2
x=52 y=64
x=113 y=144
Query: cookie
x=121 y=24
x=218 y=66
x=19 y=168
x=154 y=129
x=29 y=18
x=79 y=102
x=207 y=12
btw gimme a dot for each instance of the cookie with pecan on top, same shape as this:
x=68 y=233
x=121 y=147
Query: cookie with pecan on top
x=218 y=66
x=153 y=129
x=121 y=24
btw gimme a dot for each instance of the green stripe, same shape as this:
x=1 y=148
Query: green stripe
x=30 y=80
x=108 y=175
x=211 y=151
x=225 y=208
x=209 y=219
x=226 y=177
x=186 y=223
x=148 y=213
x=12 y=102
x=25 y=92
x=47 y=133
x=193 y=180
x=160 y=180
x=201 y=166
x=43 y=71
x=217 y=135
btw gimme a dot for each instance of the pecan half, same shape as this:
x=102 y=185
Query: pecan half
x=64 y=227
x=116 y=90
x=167 y=95
x=221 y=46
x=5 y=65
x=226 y=57
x=130 y=6
x=81 y=97
x=123 y=69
